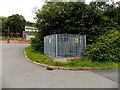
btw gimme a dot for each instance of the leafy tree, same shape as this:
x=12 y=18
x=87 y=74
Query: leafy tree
x=92 y=20
x=69 y=17
x=0 y=23
x=2 y=26
x=2 y=20
x=28 y=23
x=16 y=24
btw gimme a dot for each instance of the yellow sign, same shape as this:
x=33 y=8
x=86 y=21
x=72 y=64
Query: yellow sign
x=49 y=40
x=76 y=40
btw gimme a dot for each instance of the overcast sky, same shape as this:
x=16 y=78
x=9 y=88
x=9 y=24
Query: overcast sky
x=22 y=7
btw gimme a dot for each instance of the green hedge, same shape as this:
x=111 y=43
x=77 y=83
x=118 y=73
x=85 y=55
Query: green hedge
x=37 y=44
x=106 y=49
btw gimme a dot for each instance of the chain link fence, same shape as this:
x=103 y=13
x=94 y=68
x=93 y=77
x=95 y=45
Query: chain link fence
x=64 y=45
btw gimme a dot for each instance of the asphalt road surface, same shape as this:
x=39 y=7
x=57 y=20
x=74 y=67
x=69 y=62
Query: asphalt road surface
x=18 y=72
x=110 y=74
x=0 y=66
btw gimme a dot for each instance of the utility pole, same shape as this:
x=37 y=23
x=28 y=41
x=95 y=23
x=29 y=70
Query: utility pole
x=8 y=40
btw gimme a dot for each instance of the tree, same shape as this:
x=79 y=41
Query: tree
x=93 y=20
x=69 y=17
x=16 y=24
x=0 y=23
x=28 y=23
x=2 y=26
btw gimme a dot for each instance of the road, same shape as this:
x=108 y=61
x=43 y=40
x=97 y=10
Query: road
x=0 y=66
x=110 y=74
x=18 y=72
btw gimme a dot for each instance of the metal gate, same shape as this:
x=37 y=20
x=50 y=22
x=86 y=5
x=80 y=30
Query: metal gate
x=64 y=45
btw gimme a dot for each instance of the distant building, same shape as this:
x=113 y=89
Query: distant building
x=29 y=32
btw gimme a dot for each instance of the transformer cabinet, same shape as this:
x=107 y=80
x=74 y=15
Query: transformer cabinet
x=64 y=45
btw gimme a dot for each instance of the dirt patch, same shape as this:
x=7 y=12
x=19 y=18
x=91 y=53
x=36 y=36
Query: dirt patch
x=14 y=41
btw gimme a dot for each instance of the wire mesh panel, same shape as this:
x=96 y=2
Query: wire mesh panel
x=50 y=45
x=64 y=45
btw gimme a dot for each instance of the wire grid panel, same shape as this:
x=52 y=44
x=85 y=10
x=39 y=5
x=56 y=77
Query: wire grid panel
x=64 y=45
x=50 y=45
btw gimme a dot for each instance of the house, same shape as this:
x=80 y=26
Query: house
x=29 y=32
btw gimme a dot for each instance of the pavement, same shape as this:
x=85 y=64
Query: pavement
x=18 y=72
x=0 y=66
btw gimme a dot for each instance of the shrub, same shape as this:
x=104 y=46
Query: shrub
x=37 y=44
x=106 y=49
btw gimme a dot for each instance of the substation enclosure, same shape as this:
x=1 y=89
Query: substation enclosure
x=64 y=45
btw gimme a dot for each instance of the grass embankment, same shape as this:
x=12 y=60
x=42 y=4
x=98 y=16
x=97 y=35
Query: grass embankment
x=80 y=63
x=11 y=38
x=2 y=37
x=19 y=39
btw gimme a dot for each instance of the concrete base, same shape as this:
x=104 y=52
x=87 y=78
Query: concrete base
x=64 y=59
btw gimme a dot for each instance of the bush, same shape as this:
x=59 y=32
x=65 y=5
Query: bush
x=37 y=44
x=106 y=49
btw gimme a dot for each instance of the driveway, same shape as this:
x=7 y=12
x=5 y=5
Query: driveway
x=20 y=73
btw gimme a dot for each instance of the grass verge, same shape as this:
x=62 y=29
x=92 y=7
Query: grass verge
x=79 y=64
x=2 y=37
x=15 y=39
x=19 y=39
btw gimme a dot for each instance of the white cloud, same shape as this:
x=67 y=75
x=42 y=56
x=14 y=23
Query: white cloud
x=23 y=7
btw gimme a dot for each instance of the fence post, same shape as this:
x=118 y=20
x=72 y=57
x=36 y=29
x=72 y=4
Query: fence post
x=56 y=46
x=8 y=40
x=85 y=40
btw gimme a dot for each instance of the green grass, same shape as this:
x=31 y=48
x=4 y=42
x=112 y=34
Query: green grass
x=2 y=37
x=15 y=39
x=80 y=63
x=19 y=39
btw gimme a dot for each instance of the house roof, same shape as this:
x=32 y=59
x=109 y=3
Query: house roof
x=30 y=27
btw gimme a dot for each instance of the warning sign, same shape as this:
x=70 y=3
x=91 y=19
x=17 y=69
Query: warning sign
x=49 y=40
x=76 y=40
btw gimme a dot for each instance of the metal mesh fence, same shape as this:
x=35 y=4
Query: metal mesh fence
x=64 y=45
